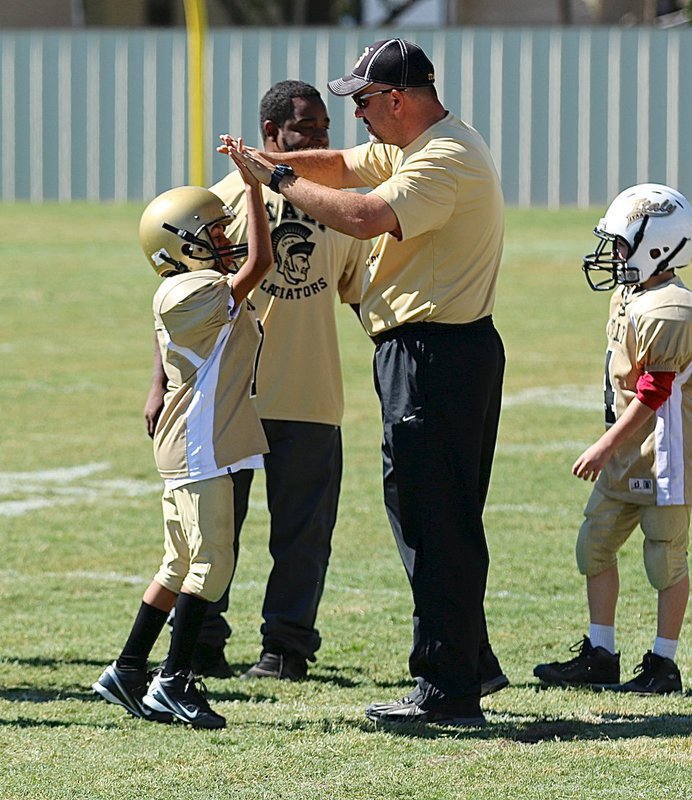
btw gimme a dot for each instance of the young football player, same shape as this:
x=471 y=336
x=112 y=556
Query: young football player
x=641 y=464
x=300 y=400
x=208 y=430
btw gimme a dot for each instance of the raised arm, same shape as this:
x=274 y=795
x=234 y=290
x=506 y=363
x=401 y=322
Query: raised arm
x=326 y=167
x=362 y=216
x=260 y=255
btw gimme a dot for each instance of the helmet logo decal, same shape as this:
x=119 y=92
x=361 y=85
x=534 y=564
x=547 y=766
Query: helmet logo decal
x=645 y=208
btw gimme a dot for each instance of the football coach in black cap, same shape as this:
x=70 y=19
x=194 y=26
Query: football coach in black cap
x=436 y=210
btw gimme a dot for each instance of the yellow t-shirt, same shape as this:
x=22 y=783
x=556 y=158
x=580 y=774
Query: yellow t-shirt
x=446 y=194
x=299 y=376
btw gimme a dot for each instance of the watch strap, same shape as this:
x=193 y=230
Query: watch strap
x=281 y=171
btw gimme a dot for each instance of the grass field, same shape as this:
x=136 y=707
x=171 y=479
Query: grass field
x=79 y=514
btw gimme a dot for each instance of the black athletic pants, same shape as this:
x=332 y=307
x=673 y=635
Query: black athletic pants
x=303 y=476
x=440 y=389
x=406 y=553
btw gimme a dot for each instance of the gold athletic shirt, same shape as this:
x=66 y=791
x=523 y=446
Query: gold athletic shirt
x=446 y=194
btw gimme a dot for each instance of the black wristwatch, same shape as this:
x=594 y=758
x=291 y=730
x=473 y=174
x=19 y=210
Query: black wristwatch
x=281 y=171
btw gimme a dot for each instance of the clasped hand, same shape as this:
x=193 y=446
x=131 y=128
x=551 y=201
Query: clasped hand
x=248 y=160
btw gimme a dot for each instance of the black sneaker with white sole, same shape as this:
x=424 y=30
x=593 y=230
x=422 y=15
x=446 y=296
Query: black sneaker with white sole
x=410 y=710
x=655 y=675
x=179 y=695
x=126 y=688
x=592 y=666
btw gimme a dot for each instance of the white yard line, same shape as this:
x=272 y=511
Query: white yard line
x=582 y=398
x=12 y=481
x=31 y=491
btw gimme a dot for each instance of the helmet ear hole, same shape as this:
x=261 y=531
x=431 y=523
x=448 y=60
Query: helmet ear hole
x=655 y=252
x=186 y=249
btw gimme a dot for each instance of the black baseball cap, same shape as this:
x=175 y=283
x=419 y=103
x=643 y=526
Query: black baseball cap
x=395 y=62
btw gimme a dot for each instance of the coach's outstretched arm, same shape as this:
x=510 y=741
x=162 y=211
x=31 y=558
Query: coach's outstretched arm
x=362 y=216
x=323 y=166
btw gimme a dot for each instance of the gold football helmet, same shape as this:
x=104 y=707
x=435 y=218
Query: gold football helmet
x=174 y=231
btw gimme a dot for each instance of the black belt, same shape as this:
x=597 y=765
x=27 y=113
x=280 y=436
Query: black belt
x=415 y=329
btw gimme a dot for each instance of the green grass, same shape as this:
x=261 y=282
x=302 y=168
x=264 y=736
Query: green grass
x=79 y=547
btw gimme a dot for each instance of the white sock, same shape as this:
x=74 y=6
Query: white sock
x=602 y=636
x=666 y=648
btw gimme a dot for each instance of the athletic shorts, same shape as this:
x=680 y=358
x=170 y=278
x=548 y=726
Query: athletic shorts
x=608 y=523
x=198 y=538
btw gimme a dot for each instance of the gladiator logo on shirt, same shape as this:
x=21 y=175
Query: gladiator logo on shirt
x=292 y=252
x=645 y=208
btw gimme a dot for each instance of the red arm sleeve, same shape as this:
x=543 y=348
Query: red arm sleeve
x=654 y=388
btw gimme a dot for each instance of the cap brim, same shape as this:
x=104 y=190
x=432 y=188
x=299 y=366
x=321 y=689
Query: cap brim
x=349 y=84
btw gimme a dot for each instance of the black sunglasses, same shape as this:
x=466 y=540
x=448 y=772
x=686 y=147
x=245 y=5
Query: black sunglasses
x=361 y=100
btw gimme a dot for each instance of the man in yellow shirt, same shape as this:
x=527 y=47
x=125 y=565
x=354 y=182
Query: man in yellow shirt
x=436 y=207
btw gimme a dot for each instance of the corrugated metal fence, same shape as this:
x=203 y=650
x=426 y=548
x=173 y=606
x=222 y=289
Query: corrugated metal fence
x=572 y=115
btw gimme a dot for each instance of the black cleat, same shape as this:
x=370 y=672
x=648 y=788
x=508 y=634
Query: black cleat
x=178 y=695
x=126 y=688
x=593 y=666
x=492 y=677
x=655 y=675
x=283 y=666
